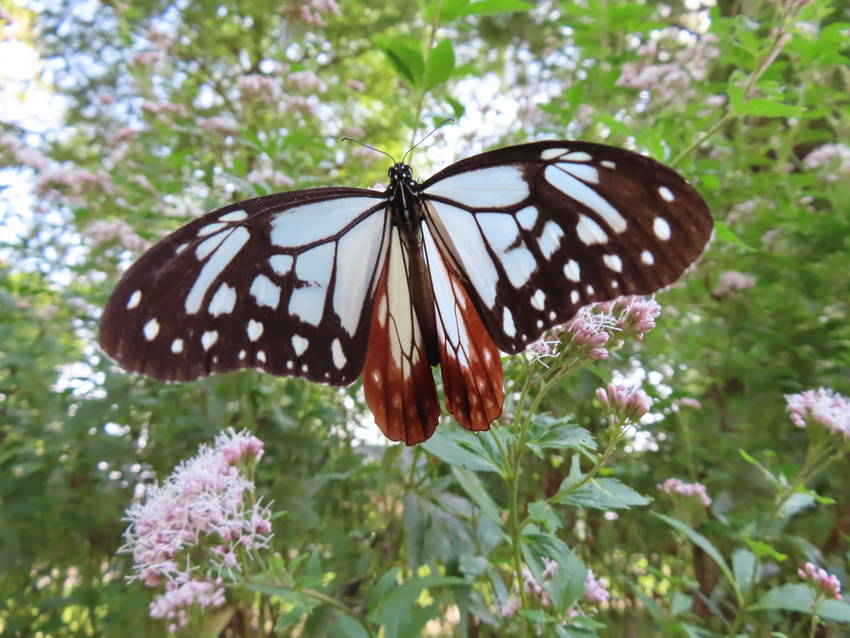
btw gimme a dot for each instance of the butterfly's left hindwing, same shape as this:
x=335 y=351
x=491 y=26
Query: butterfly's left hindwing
x=283 y=283
x=541 y=229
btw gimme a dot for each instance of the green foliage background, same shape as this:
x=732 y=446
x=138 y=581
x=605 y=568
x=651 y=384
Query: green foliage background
x=377 y=539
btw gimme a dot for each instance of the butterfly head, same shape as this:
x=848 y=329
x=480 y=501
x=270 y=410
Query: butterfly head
x=401 y=173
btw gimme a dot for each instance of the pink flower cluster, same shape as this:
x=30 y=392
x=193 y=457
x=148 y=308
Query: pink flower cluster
x=688 y=402
x=589 y=332
x=306 y=81
x=596 y=589
x=670 y=73
x=199 y=517
x=533 y=589
x=218 y=124
x=622 y=404
x=836 y=157
x=312 y=11
x=73 y=181
x=821 y=579
x=23 y=154
x=823 y=407
x=104 y=232
x=694 y=490
x=633 y=316
x=258 y=87
x=731 y=281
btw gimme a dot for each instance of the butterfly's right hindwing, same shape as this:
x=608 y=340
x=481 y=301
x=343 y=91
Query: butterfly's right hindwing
x=282 y=283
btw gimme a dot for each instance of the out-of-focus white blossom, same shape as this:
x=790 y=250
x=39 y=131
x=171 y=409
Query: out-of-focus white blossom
x=691 y=490
x=731 y=281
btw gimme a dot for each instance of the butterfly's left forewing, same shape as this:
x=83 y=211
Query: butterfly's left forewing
x=538 y=230
x=282 y=283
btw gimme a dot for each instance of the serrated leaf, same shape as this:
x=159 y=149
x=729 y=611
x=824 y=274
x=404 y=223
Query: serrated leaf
x=542 y=512
x=603 y=494
x=460 y=447
x=440 y=65
x=404 y=56
x=568 y=581
x=485 y=7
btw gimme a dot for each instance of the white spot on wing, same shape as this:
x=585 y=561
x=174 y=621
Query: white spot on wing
x=589 y=232
x=508 y=326
x=265 y=292
x=233 y=216
x=552 y=153
x=572 y=270
x=320 y=220
x=538 y=299
x=177 y=346
x=666 y=194
x=241 y=354
x=574 y=297
x=208 y=339
x=613 y=262
x=577 y=156
x=151 y=329
x=299 y=344
x=255 y=329
x=590 y=290
x=134 y=300
x=647 y=258
x=180 y=249
x=223 y=300
x=281 y=264
x=495 y=186
x=608 y=164
x=338 y=354
x=550 y=239
x=228 y=249
x=261 y=356
x=661 y=228
x=584 y=194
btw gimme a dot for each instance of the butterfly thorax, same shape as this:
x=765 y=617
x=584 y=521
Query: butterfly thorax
x=407 y=213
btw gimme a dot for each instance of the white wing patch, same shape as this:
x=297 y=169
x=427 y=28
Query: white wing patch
x=223 y=300
x=585 y=195
x=314 y=222
x=476 y=261
x=314 y=269
x=265 y=292
x=496 y=186
x=218 y=261
x=356 y=257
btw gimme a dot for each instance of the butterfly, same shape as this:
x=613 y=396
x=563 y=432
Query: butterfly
x=333 y=283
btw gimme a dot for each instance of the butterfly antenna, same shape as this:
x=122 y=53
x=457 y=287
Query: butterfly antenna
x=434 y=130
x=377 y=150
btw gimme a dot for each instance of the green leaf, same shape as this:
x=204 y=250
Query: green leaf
x=552 y=433
x=603 y=494
x=542 y=512
x=765 y=107
x=701 y=541
x=382 y=588
x=792 y=596
x=461 y=447
x=441 y=63
x=752 y=461
x=449 y=10
x=495 y=6
x=763 y=550
x=398 y=601
x=404 y=56
x=471 y=484
x=457 y=107
x=723 y=233
x=344 y=626
x=568 y=582
x=746 y=568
